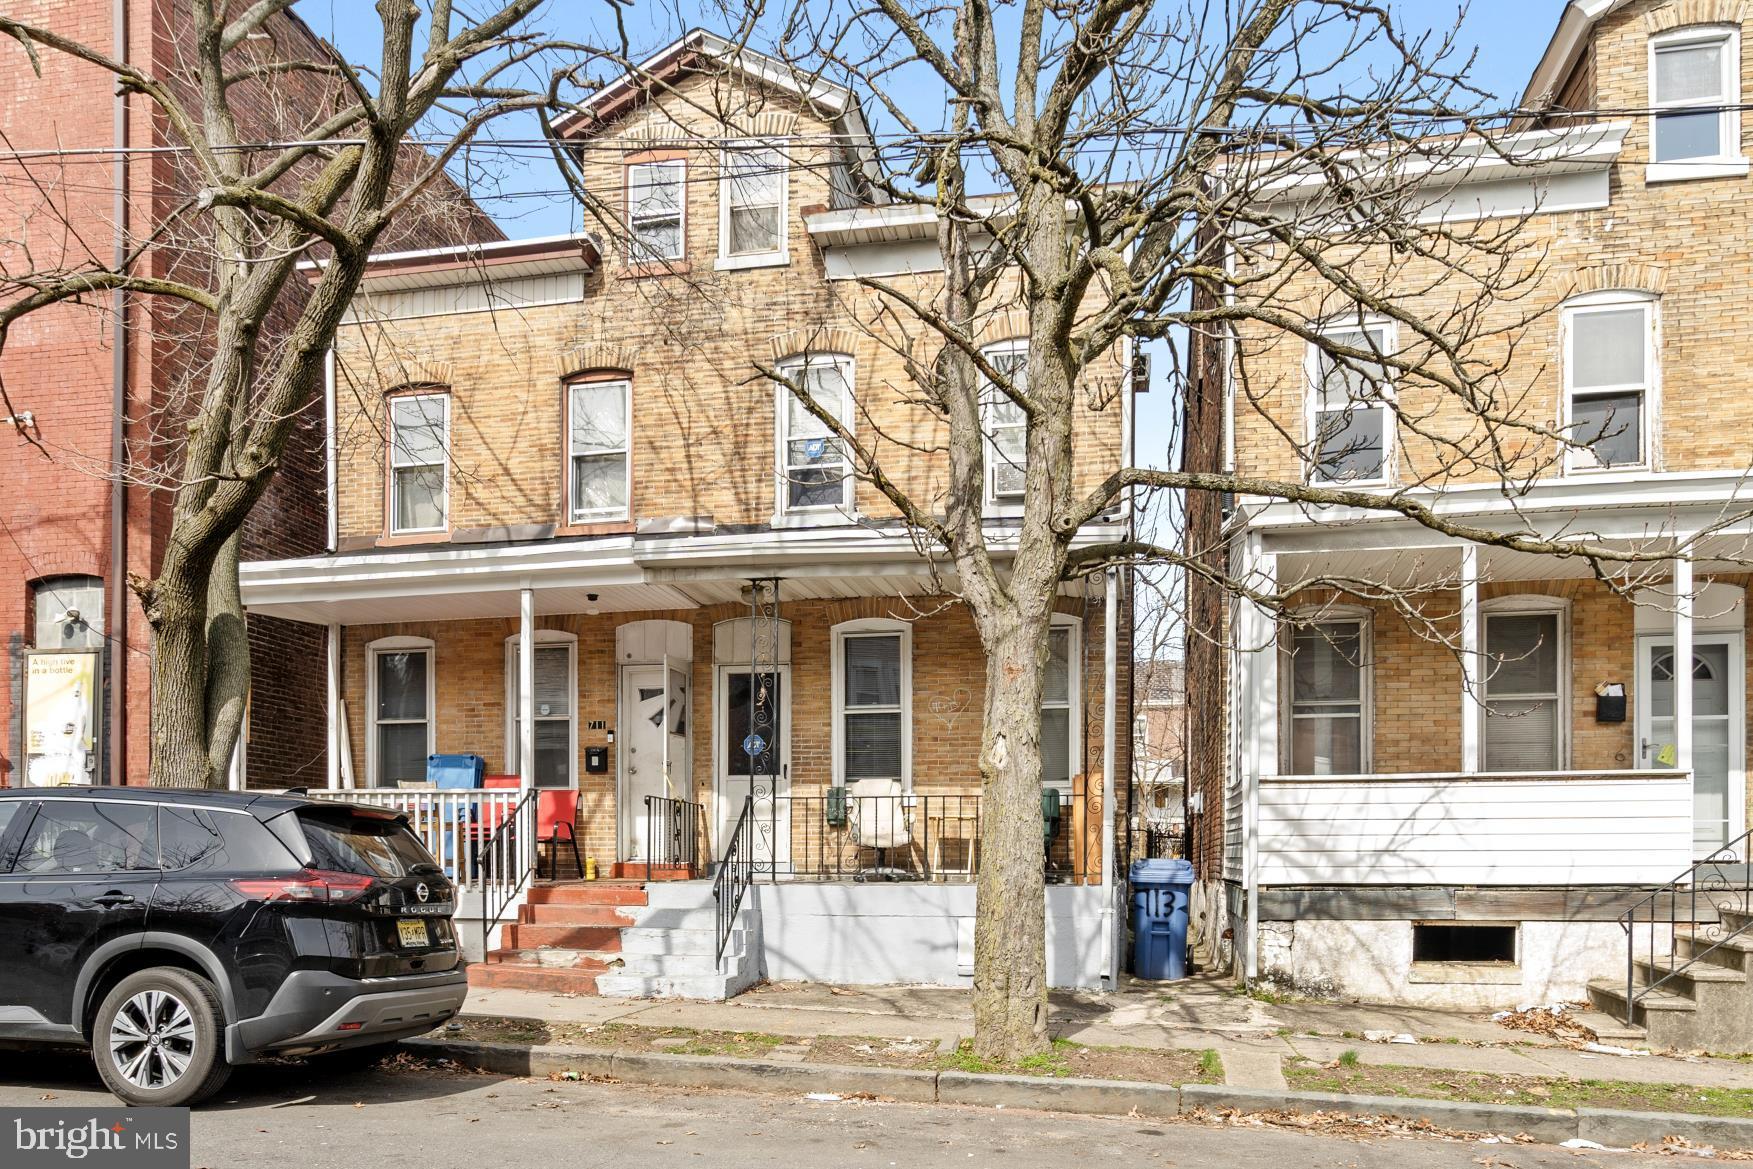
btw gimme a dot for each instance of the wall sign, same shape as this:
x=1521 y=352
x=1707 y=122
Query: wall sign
x=60 y=717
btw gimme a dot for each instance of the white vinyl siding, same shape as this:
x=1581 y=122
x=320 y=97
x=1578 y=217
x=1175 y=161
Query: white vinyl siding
x=598 y=466
x=419 y=455
x=1524 y=691
x=814 y=475
x=1350 y=415
x=1609 y=376
x=656 y=211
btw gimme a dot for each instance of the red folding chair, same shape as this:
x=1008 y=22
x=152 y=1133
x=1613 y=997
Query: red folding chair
x=490 y=816
x=556 y=822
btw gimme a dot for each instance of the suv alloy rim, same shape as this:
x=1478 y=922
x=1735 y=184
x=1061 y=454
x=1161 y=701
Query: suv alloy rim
x=152 y=1039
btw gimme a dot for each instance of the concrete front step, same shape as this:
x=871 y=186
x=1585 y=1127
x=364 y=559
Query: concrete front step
x=1731 y=953
x=642 y=939
x=592 y=960
x=1677 y=1023
x=589 y=893
x=712 y=987
x=1612 y=1028
x=518 y=976
x=637 y=871
x=1694 y=982
x=567 y=913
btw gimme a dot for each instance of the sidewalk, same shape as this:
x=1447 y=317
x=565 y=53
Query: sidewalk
x=1253 y=1038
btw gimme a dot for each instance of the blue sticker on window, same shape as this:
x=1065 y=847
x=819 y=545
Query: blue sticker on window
x=754 y=745
x=814 y=447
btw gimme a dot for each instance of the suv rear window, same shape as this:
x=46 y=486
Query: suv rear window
x=379 y=847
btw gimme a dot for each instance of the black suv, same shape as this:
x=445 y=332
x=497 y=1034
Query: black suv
x=178 y=933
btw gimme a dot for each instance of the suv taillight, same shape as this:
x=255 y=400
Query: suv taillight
x=306 y=885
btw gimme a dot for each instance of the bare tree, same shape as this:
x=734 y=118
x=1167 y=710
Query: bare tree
x=324 y=174
x=1219 y=177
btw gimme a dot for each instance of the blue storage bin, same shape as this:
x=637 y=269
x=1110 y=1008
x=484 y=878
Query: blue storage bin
x=1161 y=894
x=455 y=771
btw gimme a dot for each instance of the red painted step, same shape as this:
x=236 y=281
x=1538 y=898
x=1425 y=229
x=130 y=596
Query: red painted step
x=607 y=916
x=635 y=870
x=522 y=976
x=561 y=935
x=589 y=893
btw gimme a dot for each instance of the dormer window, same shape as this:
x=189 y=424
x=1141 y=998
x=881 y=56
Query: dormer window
x=751 y=206
x=1694 y=89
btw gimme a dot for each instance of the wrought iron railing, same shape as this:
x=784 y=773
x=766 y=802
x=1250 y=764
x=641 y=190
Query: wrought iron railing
x=1698 y=898
x=839 y=836
x=732 y=880
x=672 y=834
x=508 y=854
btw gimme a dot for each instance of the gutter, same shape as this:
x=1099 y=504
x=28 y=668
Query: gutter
x=117 y=740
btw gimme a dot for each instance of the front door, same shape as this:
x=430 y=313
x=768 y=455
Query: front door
x=752 y=747
x=654 y=751
x=1718 y=775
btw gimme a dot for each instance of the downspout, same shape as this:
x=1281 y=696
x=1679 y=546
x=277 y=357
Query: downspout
x=118 y=582
x=329 y=473
x=1110 y=741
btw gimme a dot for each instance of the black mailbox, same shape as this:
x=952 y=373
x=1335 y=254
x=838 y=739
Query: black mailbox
x=596 y=760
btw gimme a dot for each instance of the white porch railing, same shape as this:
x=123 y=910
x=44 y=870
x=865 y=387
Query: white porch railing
x=1534 y=828
x=459 y=827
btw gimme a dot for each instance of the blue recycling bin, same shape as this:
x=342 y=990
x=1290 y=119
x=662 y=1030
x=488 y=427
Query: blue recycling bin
x=455 y=771
x=1160 y=895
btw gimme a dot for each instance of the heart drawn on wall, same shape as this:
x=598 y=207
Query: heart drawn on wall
x=950 y=707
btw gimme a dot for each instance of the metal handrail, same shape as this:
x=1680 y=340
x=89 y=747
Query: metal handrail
x=1709 y=877
x=672 y=830
x=514 y=850
x=735 y=874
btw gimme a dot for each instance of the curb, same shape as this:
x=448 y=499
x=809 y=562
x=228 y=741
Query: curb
x=1088 y=1097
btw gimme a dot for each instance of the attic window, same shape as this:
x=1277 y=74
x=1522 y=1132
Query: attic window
x=1450 y=942
x=1694 y=82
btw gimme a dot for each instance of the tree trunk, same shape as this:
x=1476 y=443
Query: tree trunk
x=176 y=608
x=228 y=661
x=1010 y=925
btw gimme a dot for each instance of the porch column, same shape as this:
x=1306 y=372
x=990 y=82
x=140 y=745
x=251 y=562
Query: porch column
x=1683 y=664
x=337 y=743
x=1259 y=646
x=1110 y=742
x=526 y=690
x=1472 y=681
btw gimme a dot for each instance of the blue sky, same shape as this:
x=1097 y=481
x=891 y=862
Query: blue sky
x=1508 y=36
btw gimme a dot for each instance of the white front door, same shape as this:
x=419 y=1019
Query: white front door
x=648 y=752
x=752 y=749
x=1718 y=770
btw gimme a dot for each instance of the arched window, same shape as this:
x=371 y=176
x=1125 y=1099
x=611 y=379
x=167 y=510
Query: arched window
x=68 y=612
x=1695 y=91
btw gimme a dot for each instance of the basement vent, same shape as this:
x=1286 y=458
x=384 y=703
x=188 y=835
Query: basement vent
x=1448 y=942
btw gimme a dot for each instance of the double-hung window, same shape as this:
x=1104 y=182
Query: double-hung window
x=401 y=711
x=1609 y=370
x=555 y=735
x=419 y=446
x=873 y=697
x=656 y=210
x=1524 y=697
x=1006 y=423
x=1694 y=89
x=1351 y=414
x=1058 y=707
x=1329 y=693
x=814 y=474
x=598 y=467
x=751 y=206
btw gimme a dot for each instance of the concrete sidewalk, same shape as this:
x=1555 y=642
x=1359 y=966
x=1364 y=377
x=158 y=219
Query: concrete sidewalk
x=1253 y=1038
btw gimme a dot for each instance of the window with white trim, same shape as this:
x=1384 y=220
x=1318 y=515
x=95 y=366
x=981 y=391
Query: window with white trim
x=872 y=700
x=555 y=693
x=814 y=474
x=751 y=203
x=1524 y=690
x=1329 y=698
x=419 y=458
x=597 y=464
x=1006 y=423
x=1694 y=87
x=1351 y=414
x=1059 y=701
x=1609 y=376
x=402 y=688
x=656 y=210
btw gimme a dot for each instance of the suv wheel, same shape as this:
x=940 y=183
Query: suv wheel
x=157 y=1039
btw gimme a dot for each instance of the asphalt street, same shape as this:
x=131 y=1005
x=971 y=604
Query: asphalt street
x=294 y=1117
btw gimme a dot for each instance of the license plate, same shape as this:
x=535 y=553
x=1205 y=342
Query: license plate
x=411 y=933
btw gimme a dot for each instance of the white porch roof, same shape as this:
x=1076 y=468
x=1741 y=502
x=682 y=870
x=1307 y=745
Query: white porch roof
x=624 y=574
